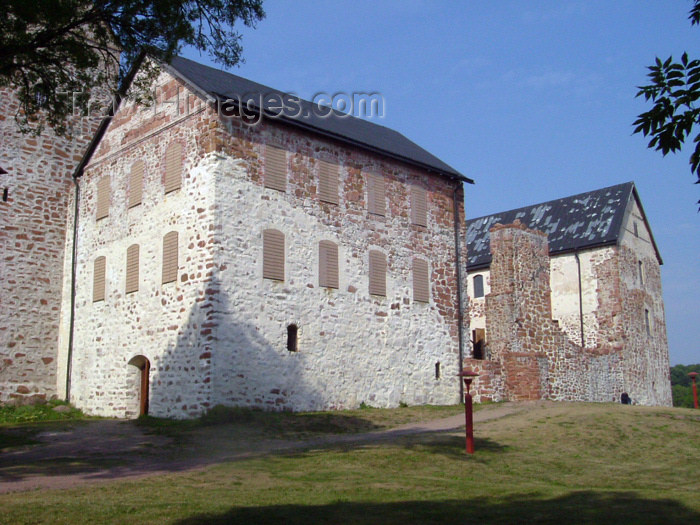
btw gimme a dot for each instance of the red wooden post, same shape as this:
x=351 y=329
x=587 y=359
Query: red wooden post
x=469 y=422
x=468 y=376
x=692 y=376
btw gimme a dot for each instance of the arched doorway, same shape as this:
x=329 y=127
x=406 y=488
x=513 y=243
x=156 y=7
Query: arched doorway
x=144 y=365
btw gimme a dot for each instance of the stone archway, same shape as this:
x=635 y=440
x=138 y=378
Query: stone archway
x=144 y=366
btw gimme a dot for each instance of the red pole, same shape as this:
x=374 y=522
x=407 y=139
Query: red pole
x=468 y=375
x=469 y=421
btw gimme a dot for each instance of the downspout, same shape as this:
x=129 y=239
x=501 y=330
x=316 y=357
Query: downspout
x=458 y=268
x=74 y=251
x=77 y=173
x=580 y=298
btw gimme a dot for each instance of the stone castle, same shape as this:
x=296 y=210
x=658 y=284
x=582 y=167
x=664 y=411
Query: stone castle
x=566 y=302
x=219 y=247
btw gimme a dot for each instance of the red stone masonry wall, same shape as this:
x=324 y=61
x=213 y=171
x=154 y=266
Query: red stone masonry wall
x=534 y=355
x=33 y=225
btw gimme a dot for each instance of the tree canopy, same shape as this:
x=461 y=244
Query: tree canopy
x=681 y=385
x=674 y=91
x=51 y=50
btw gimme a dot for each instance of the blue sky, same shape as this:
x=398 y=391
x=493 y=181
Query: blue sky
x=532 y=100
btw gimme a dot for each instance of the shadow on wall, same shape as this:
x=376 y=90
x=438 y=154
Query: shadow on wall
x=218 y=357
x=573 y=508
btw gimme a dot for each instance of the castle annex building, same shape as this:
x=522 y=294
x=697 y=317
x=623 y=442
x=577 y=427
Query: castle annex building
x=218 y=255
x=565 y=301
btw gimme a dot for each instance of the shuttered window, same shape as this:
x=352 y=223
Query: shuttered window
x=377 y=273
x=98 y=279
x=275 y=168
x=173 y=167
x=419 y=206
x=102 y=198
x=328 y=182
x=136 y=183
x=273 y=255
x=328 y=264
x=376 y=194
x=421 y=281
x=132 y=268
x=170 y=261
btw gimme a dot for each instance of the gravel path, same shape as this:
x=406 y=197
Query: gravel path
x=107 y=450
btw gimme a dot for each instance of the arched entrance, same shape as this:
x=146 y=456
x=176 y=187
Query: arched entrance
x=144 y=365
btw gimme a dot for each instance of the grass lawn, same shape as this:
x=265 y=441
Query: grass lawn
x=560 y=463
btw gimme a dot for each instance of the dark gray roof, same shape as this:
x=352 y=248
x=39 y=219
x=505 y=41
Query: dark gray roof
x=578 y=222
x=222 y=86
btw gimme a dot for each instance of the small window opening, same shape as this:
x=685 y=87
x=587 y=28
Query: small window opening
x=478 y=286
x=437 y=370
x=641 y=272
x=5 y=194
x=478 y=341
x=292 y=333
x=647 y=321
x=636 y=230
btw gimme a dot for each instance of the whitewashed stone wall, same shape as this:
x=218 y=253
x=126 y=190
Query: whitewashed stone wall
x=646 y=359
x=353 y=347
x=156 y=321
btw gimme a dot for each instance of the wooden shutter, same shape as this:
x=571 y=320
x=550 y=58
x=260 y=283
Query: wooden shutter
x=103 y=198
x=478 y=341
x=273 y=255
x=173 y=167
x=275 y=168
x=98 y=279
x=170 y=262
x=377 y=273
x=376 y=194
x=419 y=206
x=328 y=182
x=328 y=264
x=136 y=183
x=421 y=281
x=132 y=268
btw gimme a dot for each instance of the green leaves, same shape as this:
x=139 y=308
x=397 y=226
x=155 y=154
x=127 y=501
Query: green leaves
x=674 y=91
x=53 y=50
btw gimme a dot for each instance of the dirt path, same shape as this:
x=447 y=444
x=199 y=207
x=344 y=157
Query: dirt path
x=107 y=450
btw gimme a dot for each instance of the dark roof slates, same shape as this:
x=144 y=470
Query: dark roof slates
x=581 y=221
x=221 y=85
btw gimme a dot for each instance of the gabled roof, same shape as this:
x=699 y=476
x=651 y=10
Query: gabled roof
x=222 y=86
x=582 y=221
